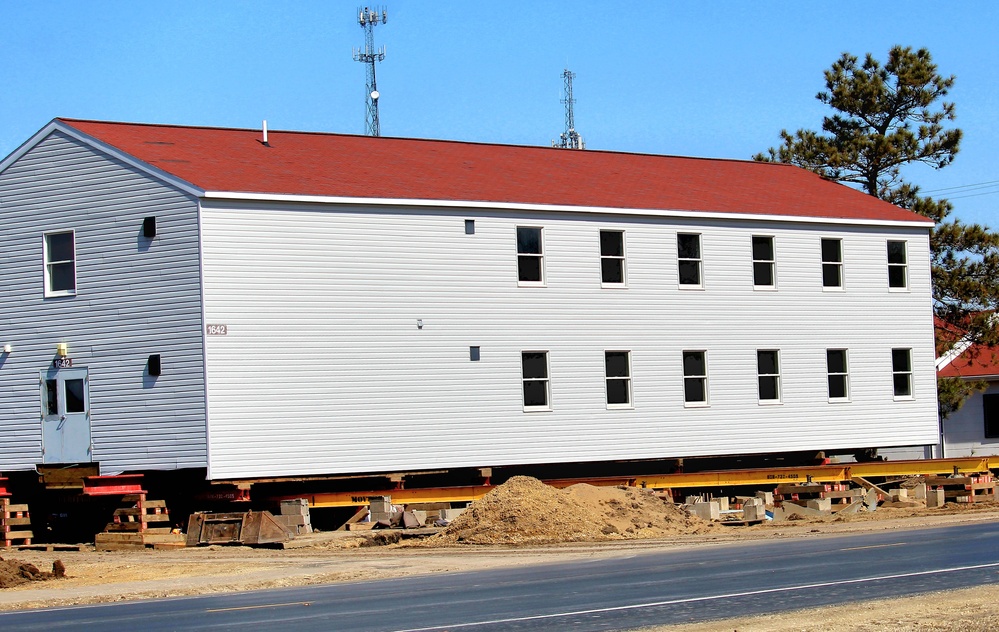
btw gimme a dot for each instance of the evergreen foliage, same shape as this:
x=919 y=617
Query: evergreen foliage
x=887 y=117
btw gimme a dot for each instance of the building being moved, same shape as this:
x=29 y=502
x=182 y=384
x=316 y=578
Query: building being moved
x=321 y=304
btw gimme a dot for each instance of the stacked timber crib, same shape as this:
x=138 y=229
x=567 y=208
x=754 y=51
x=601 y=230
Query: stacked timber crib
x=138 y=522
x=965 y=489
x=15 y=523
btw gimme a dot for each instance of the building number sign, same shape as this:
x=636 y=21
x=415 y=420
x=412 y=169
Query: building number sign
x=218 y=330
x=62 y=363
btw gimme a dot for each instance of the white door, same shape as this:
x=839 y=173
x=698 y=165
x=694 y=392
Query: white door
x=66 y=416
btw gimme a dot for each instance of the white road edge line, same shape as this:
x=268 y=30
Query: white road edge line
x=671 y=602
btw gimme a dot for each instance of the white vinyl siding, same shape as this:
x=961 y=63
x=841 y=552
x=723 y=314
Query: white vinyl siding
x=323 y=369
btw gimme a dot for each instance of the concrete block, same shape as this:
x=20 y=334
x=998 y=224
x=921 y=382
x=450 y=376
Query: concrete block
x=768 y=498
x=690 y=500
x=918 y=492
x=421 y=516
x=934 y=498
x=819 y=504
x=706 y=510
x=898 y=494
x=451 y=514
x=298 y=506
x=722 y=503
x=754 y=509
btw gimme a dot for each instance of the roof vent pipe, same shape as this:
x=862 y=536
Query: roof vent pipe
x=265 y=134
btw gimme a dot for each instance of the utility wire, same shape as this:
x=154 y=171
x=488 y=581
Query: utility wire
x=966 y=186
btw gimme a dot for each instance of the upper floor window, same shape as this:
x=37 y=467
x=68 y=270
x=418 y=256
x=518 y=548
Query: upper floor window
x=898 y=266
x=901 y=372
x=612 y=257
x=537 y=391
x=530 y=256
x=764 y=274
x=617 y=365
x=695 y=378
x=838 y=375
x=688 y=254
x=832 y=263
x=60 y=264
x=990 y=410
x=768 y=375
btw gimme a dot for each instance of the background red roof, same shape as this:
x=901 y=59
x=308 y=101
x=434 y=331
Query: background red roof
x=337 y=165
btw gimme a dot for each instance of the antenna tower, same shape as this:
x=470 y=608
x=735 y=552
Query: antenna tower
x=569 y=139
x=368 y=18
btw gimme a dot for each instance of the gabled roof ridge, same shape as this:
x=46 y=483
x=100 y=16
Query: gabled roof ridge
x=271 y=130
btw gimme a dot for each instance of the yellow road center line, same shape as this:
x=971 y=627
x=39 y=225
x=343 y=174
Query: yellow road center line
x=874 y=546
x=269 y=605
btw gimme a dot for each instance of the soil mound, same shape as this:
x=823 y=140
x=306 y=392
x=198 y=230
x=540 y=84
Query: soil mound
x=526 y=511
x=13 y=572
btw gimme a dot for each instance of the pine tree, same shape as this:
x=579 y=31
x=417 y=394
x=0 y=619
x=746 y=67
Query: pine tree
x=888 y=117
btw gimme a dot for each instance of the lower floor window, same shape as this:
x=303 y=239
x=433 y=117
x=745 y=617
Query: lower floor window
x=618 y=371
x=536 y=385
x=695 y=378
x=901 y=372
x=838 y=376
x=768 y=374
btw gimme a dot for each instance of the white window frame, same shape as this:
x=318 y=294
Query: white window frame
x=844 y=375
x=620 y=259
x=546 y=380
x=772 y=262
x=905 y=372
x=49 y=292
x=775 y=376
x=627 y=379
x=540 y=256
x=838 y=265
x=698 y=261
x=703 y=378
x=904 y=265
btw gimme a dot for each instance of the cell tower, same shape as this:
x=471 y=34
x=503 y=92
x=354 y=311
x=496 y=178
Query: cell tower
x=570 y=139
x=368 y=18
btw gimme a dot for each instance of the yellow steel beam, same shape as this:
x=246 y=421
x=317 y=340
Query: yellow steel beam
x=720 y=478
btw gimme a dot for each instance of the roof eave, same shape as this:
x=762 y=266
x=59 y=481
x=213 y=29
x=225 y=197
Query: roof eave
x=519 y=206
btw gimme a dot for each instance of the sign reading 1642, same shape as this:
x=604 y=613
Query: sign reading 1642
x=217 y=330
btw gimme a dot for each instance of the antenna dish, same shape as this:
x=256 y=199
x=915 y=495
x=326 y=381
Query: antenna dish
x=374 y=95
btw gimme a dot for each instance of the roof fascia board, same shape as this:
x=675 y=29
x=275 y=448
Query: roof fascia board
x=57 y=125
x=511 y=206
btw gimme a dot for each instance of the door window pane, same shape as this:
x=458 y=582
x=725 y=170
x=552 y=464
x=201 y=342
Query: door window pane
x=75 y=397
x=51 y=395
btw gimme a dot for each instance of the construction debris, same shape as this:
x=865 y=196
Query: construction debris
x=526 y=511
x=14 y=572
x=251 y=528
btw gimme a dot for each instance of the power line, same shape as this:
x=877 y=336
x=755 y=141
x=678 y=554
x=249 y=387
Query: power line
x=966 y=186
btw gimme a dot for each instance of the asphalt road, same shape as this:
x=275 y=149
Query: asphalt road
x=673 y=586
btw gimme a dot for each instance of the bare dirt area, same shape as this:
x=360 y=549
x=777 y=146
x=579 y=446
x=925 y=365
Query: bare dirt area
x=521 y=523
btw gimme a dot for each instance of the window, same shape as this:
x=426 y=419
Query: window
x=768 y=375
x=60 y=264
x=688 y=252
x=474 y=353
x=536 y=387
x=618 y=370
x=530 y=258
x=612 y=257
x=838 y=375
x=901 y=371
x=763 y=262
x=897 y=265
x=832 y=263
x=469 y=226
x=990 y=408
x=695 y=379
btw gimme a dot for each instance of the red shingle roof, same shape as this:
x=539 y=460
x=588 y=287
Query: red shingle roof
x=977 y=361
x=337 y=165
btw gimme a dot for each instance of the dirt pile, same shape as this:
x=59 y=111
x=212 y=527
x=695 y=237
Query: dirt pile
x=13 y=572
x=526 y=511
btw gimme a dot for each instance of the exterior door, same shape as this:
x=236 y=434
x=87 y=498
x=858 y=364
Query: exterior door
x=66 y=416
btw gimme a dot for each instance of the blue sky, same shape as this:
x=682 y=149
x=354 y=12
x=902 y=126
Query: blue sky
x=716 y=79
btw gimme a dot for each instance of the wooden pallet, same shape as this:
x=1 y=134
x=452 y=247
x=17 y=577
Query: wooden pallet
x=15 y=524
x=965 y=489
x=138 y=523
